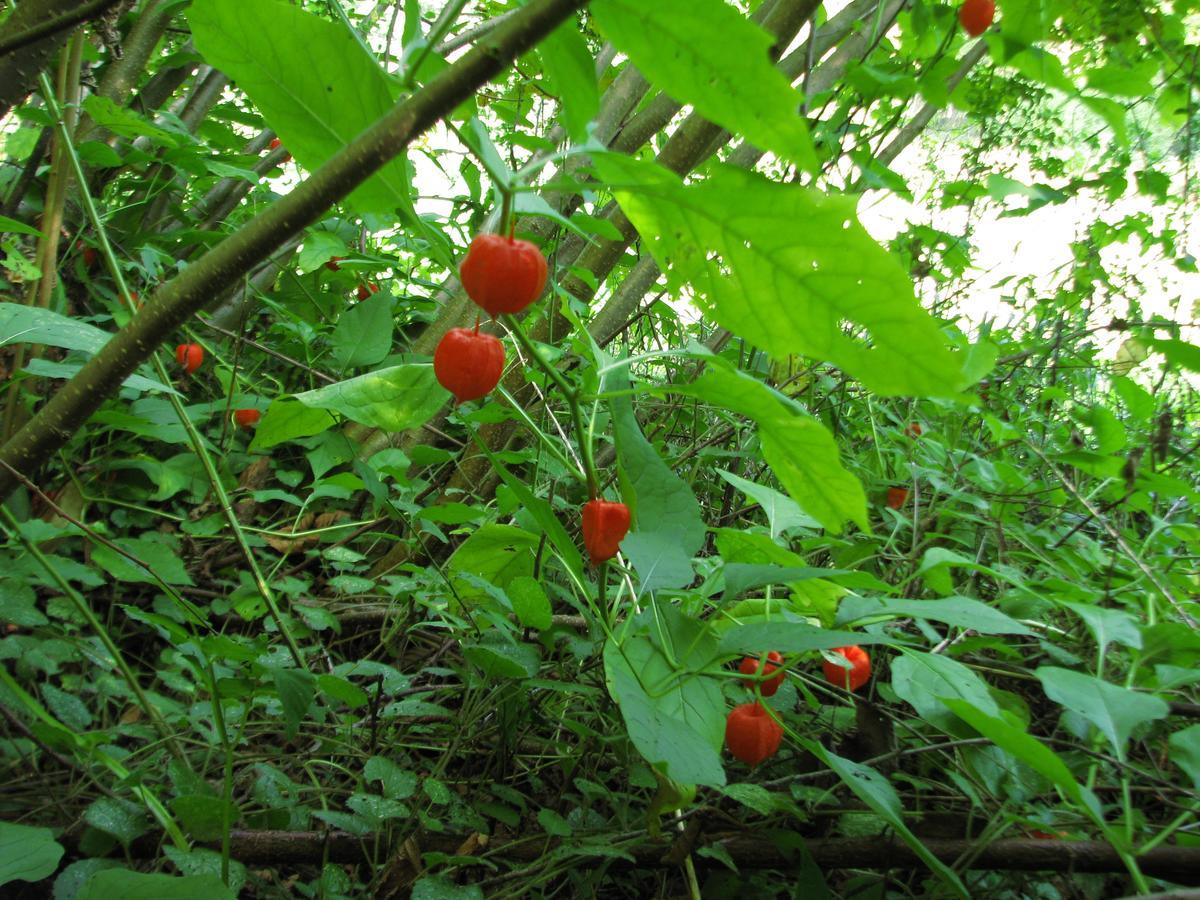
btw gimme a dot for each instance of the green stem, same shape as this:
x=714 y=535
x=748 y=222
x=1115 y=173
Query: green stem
x=227 y=776
x=506 y=205
x=570 y=395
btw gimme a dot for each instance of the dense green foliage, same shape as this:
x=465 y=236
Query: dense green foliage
x=369 y=612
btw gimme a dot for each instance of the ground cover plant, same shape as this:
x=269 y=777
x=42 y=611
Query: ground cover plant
x=564 y=448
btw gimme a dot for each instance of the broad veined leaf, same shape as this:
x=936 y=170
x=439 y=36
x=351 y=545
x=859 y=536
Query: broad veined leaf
x=396 y=398
x=1185 y=752
x=788 y=268
x=1114 y=710
x=363 y=336
x=27 y=853
x=877 y=792
x=792 y=637
x=286 y=420
x=496 y=554
x=707 y=54
x=568 y=62
x=782 y=511
x=961 y=612
x=1030 y=751
x=675 y=719
x=920 y=679
x=319 y=89
x=668 y=529
x=799 y=449
x=123 y=884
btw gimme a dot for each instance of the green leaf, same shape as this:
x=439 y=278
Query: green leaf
x=496 y=554
x=787 y=267
x=202 y=862
x=319 y=89
x=27 y=853
x=874 y=790
x=45 y=368
x=1108 y=626
x=123 y=121
x=439 y=887
x=783 y=513
x=1116 y=711
x=1179 y=353
x=342 y=689
x=568 y=62
x=675 y=715
x=740 y=578
x=286 y=420
x=791 y=637
x=1124 y=81
x=12 y=226
x=961 y=612
x=798 y=448
x=921 y=679
x=1030 y=751
x=159 y=558
x=122 y=884
x=202 y=816
x=529 y=602
x=709 y=55
x=656 y=705
x=363 y=336
x=1185 y=752
x=18 y=604
x=20 y=324
x=123 y=820
x=393 y=399
x=668 y=529
x=498 y=657
x=296 y=689
x=396 y=783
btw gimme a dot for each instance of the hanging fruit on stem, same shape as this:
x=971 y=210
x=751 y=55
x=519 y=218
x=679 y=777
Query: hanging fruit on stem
x=468 y=363
x=751 y=734
x=503 y=274
x=605 y=525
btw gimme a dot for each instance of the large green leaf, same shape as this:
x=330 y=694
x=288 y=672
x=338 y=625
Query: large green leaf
x=363 y=336
x=1030 y=751
x=122 y=884
x=961 y=612
x=1185 y=752
x=568 y=62
x=27 y=853
x=668 y=529
x=877 y=792
x=709 y=55
x=781 y=510
x=496 y=554
x=791 y=637
x=317 y=85
x=1116 y=711
x=788 y=267
x=286 y=420
x=675 y=718
x=920 y=679
x=394 y=399
x=799 y=449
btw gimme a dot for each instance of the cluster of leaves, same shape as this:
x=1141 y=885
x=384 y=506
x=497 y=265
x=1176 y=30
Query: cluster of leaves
x=371 y=614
